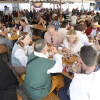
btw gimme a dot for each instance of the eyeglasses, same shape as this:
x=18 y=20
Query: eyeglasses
x=51 y=40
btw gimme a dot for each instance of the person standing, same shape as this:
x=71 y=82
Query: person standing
x=7 y=13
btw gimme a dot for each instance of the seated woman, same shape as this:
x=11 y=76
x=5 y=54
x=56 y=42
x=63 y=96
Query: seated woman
x=72 y=44
x=20 y=53
x=16 y=24
x=3 y=34
x=25 y=27
x=42 y=21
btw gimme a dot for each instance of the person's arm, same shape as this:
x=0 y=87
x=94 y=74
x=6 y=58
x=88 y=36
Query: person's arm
x=39 y=22
x=57 y=68
x=3 y=32
x=20 y=28
x=20 y=55
x=44 y=22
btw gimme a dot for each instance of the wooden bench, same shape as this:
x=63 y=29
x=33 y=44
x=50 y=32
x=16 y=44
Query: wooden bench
x=52 y=96
x=19 y=97
x=36 y=37
x=3 y=49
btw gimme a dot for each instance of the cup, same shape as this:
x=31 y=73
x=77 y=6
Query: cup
x=17 y=32
x=70 y=73
x=9 y=35
x=60 y=50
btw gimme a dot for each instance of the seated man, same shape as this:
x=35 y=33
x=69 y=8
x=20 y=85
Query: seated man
x=81 y=34
x=86 y=82
x=53 y=37
x=38 y=81
x=8 y=83
x=93 y=30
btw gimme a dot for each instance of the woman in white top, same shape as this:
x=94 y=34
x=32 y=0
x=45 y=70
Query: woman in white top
x=72 y=44
x=25 y=27
x=20 y=53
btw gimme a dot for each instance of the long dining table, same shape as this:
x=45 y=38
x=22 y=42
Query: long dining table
x=38 y=27
x=71 y=60
x=13 y=37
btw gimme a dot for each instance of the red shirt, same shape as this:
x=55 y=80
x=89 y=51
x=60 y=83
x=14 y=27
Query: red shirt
x=89 y=30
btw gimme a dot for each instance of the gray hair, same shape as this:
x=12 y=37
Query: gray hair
x=51 y=26
x=39 y=45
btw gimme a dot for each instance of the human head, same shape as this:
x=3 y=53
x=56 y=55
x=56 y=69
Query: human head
x=56 y=18
x=40 y=46
x=24 y=39
x=82 y=27
x=1 y=24
x=72 y=36
x=22 y=22
x=5 y=7
x=65 y=24
x=94 y=24
x=88 y=56
x=51 y=29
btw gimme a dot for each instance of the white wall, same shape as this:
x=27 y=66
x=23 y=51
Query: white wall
x=7 y=4
x=22 y=6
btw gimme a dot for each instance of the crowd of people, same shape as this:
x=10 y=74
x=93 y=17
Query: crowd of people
x=31 y=57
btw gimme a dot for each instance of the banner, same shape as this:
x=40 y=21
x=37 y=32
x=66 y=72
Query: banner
x=37 y=6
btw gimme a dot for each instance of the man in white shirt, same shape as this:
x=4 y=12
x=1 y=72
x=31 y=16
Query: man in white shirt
x=86 y=83
x=81 y=34
x=73 y=19
x=93 y=30
x=7 y=13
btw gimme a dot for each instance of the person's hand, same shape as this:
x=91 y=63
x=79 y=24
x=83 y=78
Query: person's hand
x=20 y=28
x=78 y=67
x=70 y=52
x=54 y=50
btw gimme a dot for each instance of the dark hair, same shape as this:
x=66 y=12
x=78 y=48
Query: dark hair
x=5 y=6
x=94 y=21
x=82 y=27
x=56 y=18
x=64 y=23
x=22 y=20
x=88 y=55
x=39 y=45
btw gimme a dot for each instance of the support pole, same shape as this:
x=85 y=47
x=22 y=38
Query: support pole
x=18 y=9
x=60 y=6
